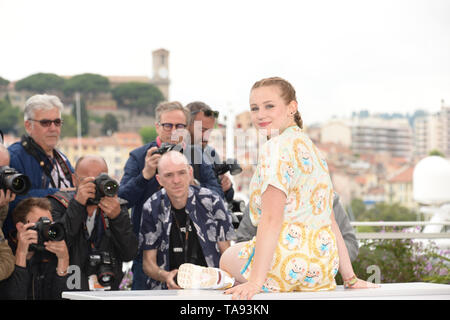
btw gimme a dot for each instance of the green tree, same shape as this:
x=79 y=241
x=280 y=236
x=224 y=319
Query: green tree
x=9 y=117
x=436 y=152
x=110 y=124
x=84 y=116
x=148 y=134
x=358 y=208
x=3 y=83
x=69 y=128
x=41 y=83
x=87 y=84
x=141 y=98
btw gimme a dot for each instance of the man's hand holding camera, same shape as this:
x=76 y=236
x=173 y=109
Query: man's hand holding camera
x=110 y=206
x=101 y=191
x=27 y=236
x=6 y=197
x=151 y=163
x=85 y=190
x=225 y=182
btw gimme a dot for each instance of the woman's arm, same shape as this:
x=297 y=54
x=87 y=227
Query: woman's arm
x=345 y=265
x=272 y=208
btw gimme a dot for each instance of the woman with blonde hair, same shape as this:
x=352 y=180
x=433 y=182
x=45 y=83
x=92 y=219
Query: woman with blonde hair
x=298 y=245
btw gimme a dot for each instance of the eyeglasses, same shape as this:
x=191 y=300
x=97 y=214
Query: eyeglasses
x=169 y=126
x=47 y=123
x=207 y=113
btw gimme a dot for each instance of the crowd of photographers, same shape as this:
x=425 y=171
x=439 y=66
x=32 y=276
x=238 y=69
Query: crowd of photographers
x=64 y=228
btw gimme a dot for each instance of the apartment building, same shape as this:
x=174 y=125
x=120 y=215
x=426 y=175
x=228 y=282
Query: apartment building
x=432 y=132
x=371 y=135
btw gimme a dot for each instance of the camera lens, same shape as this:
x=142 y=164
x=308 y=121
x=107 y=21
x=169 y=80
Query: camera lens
x=105 y=276
x=110 y=188
x=54 y=232
x=18 y=183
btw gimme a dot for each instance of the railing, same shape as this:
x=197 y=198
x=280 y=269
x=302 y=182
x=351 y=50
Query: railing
x=399 y=235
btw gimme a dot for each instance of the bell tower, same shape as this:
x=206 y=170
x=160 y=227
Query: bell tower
x=161 y=71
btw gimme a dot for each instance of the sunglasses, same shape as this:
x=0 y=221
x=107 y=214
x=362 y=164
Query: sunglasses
x=47 y=123
x=207 y=113
x=169 y=126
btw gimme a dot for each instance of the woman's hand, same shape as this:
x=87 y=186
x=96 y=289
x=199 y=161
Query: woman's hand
x=361 y=284
x=355 y=283
x=244 y=291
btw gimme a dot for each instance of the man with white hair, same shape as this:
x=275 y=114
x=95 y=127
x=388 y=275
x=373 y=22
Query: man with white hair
x=181 y=223
x=36 y=155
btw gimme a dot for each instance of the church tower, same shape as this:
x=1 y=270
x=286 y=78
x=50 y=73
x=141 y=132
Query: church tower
x=161 y=71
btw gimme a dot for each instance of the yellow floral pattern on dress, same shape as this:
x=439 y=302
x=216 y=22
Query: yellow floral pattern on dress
x=306 y=255
x=319 y=199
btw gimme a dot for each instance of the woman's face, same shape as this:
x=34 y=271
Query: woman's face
x=269 y=111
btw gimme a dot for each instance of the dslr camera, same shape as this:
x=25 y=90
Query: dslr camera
x=14 y=181
x=165 y=147
x=47 y=231
x=105 y=186
x=234 y=168
x=101 y=263
x=230 y=165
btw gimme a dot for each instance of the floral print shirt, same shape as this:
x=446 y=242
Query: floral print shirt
x=207 y=212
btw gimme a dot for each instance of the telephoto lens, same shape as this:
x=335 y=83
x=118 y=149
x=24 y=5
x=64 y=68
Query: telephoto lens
x=13 y=180
x=105 y=186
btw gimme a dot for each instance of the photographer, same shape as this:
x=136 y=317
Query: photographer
x=97 y=224
x=181 y=223
x=202 y=121
x=139 y=182
x=6 y=196
x=41 y=265
x=36 y=154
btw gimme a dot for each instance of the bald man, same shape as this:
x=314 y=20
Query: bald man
x=181 y=223
x=94 y=229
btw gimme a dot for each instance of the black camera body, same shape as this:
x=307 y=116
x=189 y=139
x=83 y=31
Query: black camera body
x=13 y=180
x=105 y=186
x=47 y=231
x=165 y=147
x=230 y=165
x=236 y=205
x=101 y=263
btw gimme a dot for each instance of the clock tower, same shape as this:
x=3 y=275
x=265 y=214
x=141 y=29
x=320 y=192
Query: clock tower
x=161 y=71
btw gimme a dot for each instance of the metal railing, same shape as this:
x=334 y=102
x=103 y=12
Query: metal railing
x=399 y=234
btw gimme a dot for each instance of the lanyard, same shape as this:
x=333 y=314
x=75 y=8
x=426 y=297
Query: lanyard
x=185 y=242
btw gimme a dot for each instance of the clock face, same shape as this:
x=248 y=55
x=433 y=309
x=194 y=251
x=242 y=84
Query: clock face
x=163 y=73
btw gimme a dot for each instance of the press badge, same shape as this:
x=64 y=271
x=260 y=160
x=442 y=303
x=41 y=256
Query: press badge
x=94 y=285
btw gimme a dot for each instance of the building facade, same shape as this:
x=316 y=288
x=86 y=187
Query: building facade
x=432 y=132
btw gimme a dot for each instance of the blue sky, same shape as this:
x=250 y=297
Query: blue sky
x=341 y=56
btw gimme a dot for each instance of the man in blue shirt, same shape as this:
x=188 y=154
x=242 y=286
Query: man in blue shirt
x=36 y=155
x=139 y=182
x=181 y=223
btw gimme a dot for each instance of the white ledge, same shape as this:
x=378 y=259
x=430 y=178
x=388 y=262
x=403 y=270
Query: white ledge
x=388 y=291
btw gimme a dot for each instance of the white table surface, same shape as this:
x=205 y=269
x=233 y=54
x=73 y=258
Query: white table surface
x=388 y=291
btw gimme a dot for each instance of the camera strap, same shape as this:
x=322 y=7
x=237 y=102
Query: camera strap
x=185 y=242
x=32 y=148
x=108 y=233
x=195 y=166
